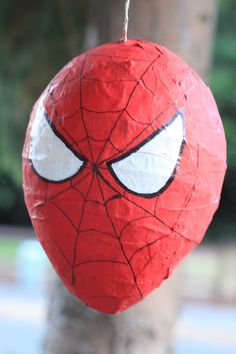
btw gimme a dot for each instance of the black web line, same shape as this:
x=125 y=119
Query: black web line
x=108 y=81
x=109 y=297
x=65 y=214
x=78 y=232
x=103 y=112
x=143 y=81
x=149 y=260
x=81 y=105
x=140 y=133
x=120 y=243
x=97 y=231
x=190 y=194
x=72 y=186
x=160 y=220
x=149 y=244
x=59 y=120
x=135 y=120
x=100 y=261
x=116 y=196
x=145 y=210
x=128 y=101
x=155 y=206
x=71 y=115
x=81 y=194
x=120 y=151
x=61 y=251
x=94 y=201
x=131 y=222
x=97 y=140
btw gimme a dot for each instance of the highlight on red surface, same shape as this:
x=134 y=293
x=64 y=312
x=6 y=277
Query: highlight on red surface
x=123 y=166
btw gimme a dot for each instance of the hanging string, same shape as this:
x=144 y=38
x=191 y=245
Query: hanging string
x=126 y=22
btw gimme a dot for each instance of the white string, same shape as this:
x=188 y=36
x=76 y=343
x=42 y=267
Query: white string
x=126 y=22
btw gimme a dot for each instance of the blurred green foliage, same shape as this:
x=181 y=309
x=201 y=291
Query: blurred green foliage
x=223 y=85
x=223 y=80
x=8 y=248
x=37 y=39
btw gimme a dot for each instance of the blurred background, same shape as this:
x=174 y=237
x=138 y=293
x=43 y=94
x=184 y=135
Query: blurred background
x=37 y=39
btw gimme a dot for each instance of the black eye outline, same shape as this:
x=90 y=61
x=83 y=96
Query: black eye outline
x=120 y=158
x=75 y=153
x=136 y=148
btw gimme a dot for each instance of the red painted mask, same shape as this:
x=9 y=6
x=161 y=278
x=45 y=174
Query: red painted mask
x=123 y=166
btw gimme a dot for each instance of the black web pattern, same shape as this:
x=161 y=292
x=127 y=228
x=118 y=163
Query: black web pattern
x=94 y=170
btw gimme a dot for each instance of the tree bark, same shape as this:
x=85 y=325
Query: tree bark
x=186 y=27
x=147 y=327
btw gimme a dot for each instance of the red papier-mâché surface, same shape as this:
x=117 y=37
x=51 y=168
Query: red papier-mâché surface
x=123 y=166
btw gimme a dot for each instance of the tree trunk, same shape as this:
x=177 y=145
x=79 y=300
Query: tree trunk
x=147 y=327
x=184 y=26
x=187 y=28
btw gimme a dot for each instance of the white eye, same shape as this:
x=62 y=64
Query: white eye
x=149 y=168
x=50 y=157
